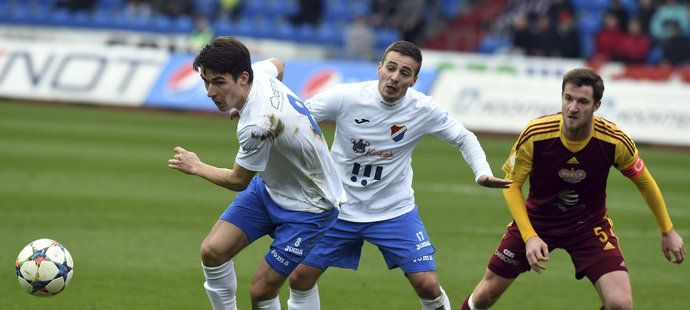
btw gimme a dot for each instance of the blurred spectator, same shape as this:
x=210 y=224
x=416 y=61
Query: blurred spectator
x=568 y=38
x=545 y=38
x=138 y=9
x=676 y=48
x=409 y=19
x=635 y=45
x=359 y=40
x=645 y=11
x=202 y=35
x=621 y=13
x=670 y=10
x=308 y=12
x=174 y=8
x=231 y=8
x=75 y=5
x=608 y=39
x=522 y=35
x=382 y=13
x=558 y=7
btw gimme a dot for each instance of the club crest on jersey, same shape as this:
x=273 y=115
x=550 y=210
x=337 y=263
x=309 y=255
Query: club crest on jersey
x=398 y=132
x=359 y=146
x=572 y=176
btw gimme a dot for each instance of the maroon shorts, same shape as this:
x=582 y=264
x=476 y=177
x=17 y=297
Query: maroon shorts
x=594 y=252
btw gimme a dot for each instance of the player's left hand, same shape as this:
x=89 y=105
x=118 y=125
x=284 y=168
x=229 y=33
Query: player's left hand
x=491 y=181
x=672 y=243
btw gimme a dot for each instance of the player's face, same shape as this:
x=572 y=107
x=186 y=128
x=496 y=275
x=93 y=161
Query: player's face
x=578 y=110
x=226 y=92
x=396 y=73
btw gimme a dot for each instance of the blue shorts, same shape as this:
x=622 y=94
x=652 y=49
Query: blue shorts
x=402 y=240
x=295 y=233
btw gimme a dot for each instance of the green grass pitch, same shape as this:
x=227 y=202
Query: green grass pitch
x=96 y=179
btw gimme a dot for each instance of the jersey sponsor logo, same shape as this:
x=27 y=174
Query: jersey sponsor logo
x=359 y=146
x=398 y=132
x=506 y=259
x=569 y=200
x=635 y=169
x=276 y=96
x=508 y=253
x=360 y=121
x=572 y=176
x=444 y=119
x=380 y=154
x=573 y=161
x=366 y=173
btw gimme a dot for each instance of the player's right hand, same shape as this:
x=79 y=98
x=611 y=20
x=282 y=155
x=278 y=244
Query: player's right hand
x=537 y=253
x=184 y=160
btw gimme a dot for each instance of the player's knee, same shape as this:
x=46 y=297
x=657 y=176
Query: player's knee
x=619 y=303
x=263 y=290
x=427 y=287
x=301 y=279
x=211 y=255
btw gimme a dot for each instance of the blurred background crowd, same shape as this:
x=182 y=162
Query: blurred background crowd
x=629 y=31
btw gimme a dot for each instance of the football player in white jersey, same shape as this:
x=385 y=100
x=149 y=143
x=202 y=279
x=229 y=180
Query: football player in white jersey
x=287 y=181
x=378 y=124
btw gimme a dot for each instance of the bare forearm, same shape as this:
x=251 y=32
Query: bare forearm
x=222 y=177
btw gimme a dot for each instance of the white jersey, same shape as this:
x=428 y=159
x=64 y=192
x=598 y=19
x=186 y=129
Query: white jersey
x=374 y=141
x=279 y=139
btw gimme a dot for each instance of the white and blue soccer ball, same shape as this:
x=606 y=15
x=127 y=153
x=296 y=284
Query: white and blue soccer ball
x=44 y=267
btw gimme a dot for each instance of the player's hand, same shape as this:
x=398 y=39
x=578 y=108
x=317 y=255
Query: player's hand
x=184 y=161
x=234 y=114
x=672 y=244
x=537 y=253
x=491 y=181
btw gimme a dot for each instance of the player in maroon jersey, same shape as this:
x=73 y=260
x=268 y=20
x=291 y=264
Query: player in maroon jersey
x=567 y=157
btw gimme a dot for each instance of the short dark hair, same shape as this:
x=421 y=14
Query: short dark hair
x=587 y=77
x=405 y=48
x=225 y=55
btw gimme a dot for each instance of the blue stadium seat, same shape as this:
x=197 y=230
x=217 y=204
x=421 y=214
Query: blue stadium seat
x=385 y=37
x=656 y=53
x=589 y=22
x=586 y=45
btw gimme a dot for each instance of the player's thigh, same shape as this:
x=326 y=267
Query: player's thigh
x=266 y=282
x=614 y=289
x=222 y=243
x=340 y=246
x=404 y=242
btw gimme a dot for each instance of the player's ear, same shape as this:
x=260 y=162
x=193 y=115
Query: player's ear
x=597 y=105
x=244 y=78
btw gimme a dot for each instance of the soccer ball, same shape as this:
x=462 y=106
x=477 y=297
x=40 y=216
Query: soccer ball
x=44 y=267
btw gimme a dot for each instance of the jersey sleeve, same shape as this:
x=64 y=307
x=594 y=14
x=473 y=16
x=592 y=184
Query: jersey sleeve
x=518 y=167
x=326 y=105
x=266 y=67
x=255 y=145
x=447 y=128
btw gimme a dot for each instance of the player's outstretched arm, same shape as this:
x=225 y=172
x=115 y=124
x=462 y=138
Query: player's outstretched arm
x=494 y=182
x=672 y=246
x=188 y=162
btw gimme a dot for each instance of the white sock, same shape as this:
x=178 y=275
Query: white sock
x=471 y=304
x=304 y=300
x=271 y=304
x=440 y=302
x=221 y=286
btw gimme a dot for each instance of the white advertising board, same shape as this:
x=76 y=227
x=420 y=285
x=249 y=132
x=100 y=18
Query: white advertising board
x=650 y=112
x=75 y=72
